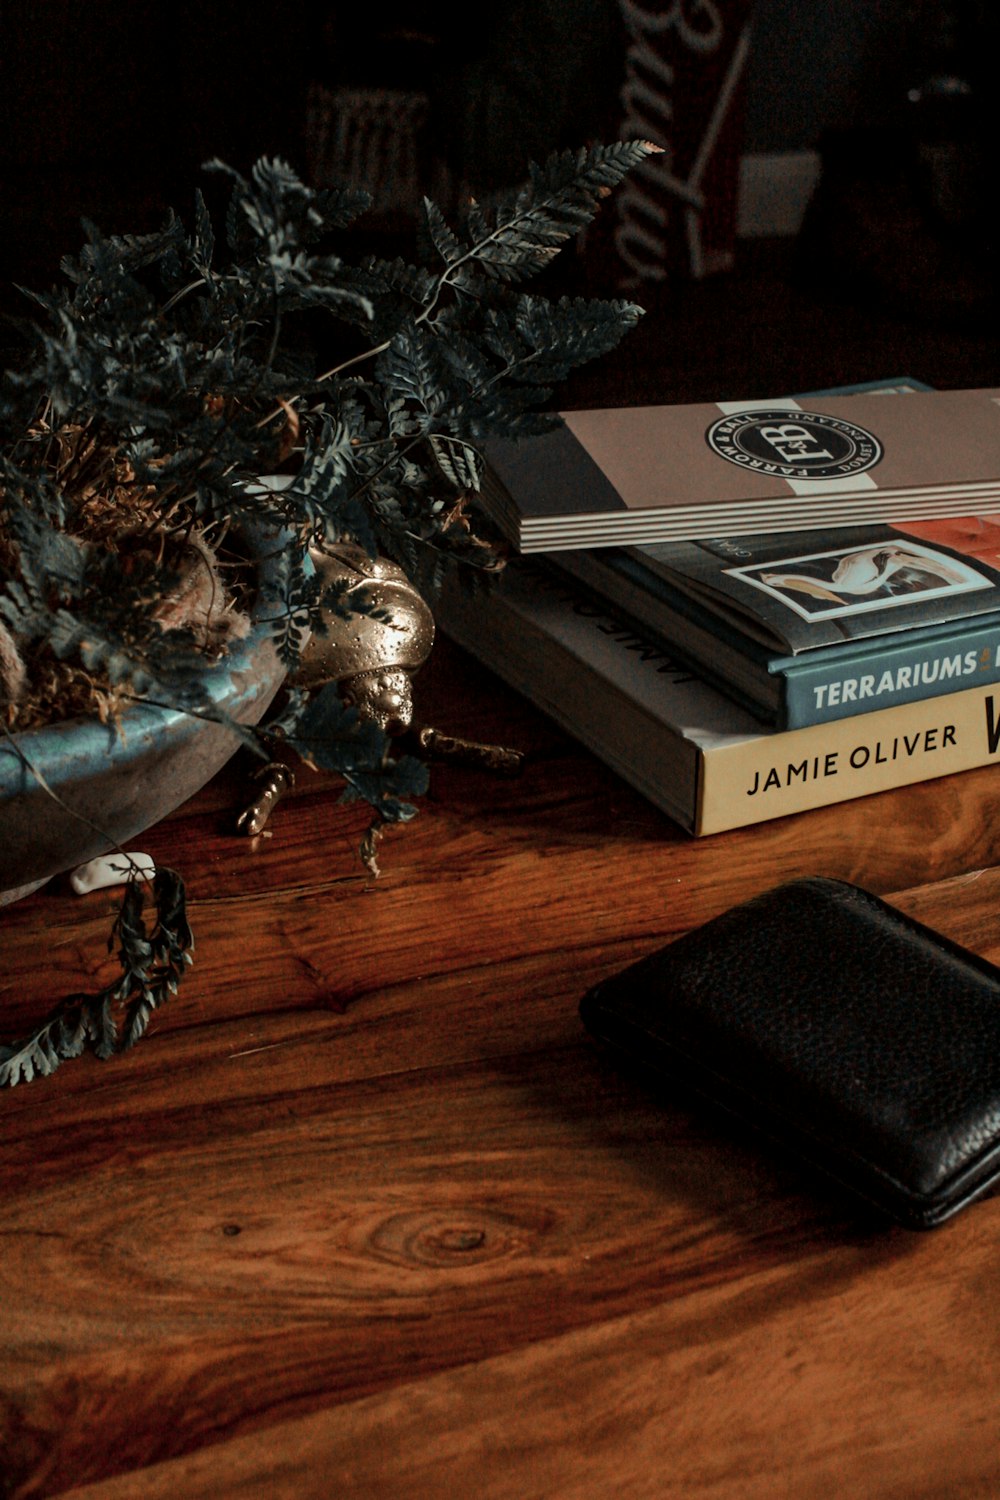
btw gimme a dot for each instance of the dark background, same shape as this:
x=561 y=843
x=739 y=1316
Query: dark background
x=109 y=111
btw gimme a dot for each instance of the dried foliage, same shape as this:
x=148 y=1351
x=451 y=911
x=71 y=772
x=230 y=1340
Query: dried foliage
x=169 y=374
x=152 y=960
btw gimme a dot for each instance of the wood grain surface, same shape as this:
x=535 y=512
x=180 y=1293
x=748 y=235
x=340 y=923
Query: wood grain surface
x=368 y=1215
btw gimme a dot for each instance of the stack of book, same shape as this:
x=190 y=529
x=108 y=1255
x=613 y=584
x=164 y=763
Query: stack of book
x=741 y=674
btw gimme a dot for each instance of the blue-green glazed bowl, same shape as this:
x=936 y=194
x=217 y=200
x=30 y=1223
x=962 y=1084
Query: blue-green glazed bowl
x=113 y=781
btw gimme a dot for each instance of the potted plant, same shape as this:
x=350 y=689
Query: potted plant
x=188 y=433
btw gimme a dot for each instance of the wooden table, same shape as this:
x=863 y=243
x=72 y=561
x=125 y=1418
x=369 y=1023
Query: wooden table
x=367 y=1215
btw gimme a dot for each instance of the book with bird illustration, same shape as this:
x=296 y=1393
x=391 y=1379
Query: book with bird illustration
x=806 y=627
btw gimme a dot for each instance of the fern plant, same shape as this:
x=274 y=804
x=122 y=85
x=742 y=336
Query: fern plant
x=177 y=368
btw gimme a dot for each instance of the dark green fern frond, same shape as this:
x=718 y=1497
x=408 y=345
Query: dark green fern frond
x=413 y=368
x=331 y=736
x=459 y=462
x=441 y=236
x=522 y=233
x=108 y=256
x=557 y=337
x=292 y=605
x=152 y=963
x=339 y=207
x=201 y=246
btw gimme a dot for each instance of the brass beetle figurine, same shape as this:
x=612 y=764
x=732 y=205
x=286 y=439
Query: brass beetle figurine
x=371 y=659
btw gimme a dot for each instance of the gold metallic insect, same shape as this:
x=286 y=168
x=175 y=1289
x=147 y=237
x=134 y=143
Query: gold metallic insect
x=373 y=661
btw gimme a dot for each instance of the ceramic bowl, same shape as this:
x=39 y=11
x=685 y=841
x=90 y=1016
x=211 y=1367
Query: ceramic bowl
x=111 y=782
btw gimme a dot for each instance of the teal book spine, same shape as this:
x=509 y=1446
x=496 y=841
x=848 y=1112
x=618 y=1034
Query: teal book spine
x=834 y=683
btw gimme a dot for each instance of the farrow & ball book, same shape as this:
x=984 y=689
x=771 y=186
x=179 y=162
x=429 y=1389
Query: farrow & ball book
x=636 y=475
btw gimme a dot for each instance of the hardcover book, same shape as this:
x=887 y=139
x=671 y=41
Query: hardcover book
x=690 y=749
x=662 y=473
x=807 y=627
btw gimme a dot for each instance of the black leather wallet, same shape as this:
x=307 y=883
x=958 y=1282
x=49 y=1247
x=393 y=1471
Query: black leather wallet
x=855 y=1035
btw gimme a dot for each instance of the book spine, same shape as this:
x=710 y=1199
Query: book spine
x=905 y=669
x=768 y=777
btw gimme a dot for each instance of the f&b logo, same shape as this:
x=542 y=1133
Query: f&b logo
x=794 y=444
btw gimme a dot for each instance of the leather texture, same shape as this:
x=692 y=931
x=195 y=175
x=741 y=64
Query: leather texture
x=861 y=1038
